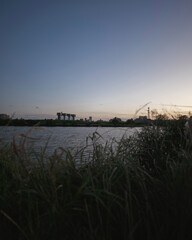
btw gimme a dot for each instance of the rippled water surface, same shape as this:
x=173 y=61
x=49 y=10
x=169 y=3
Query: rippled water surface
x=68 y=138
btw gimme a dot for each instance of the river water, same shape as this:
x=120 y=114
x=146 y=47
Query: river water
x=68 y=138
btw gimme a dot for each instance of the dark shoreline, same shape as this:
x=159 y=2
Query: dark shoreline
x=61 y=123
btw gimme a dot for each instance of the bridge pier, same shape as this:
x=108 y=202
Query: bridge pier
x=64 y=116
x=73 y=117
x=59 y=114
x=69 y=116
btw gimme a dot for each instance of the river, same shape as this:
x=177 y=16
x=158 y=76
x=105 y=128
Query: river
x=68 y=138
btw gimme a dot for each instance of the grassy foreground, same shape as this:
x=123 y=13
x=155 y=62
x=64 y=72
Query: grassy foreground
x=142 y=189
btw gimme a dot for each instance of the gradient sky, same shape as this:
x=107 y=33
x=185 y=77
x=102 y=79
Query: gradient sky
x=103 y=58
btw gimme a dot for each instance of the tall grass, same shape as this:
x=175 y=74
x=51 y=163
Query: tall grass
x=142 y=189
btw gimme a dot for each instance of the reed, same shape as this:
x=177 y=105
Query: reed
x=139 y=189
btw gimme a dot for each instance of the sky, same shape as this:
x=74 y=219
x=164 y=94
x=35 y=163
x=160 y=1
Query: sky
x=99 y=58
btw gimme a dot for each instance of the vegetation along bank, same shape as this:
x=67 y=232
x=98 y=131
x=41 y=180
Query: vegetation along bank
x=142 y=189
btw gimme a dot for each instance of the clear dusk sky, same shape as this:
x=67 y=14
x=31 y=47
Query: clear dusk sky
x=100 y=58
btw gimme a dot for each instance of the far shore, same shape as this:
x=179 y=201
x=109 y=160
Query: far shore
x=65 y=123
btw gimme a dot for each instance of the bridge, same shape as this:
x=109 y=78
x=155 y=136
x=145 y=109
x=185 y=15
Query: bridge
x=65 y=116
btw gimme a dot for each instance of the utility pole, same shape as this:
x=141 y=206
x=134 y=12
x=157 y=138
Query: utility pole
x=149 y=113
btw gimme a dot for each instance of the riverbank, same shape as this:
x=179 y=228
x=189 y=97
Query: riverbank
x=76 y=123
x=139 y=190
